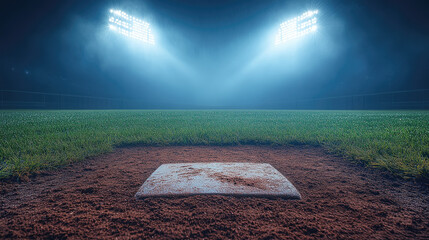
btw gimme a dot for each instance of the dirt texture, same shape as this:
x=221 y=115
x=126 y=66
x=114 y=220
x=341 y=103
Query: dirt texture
x=95 y=199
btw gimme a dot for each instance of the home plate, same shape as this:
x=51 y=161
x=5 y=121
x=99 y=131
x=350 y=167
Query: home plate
x=236 y=179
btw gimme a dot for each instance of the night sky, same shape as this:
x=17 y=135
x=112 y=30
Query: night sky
x=214 y=53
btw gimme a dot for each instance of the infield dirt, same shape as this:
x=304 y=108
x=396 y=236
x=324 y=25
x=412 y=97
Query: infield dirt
x=95 y=199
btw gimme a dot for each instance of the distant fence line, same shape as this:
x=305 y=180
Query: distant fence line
x=409 y=99
x=13 y=99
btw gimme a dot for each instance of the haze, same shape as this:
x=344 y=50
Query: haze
x=215 y=54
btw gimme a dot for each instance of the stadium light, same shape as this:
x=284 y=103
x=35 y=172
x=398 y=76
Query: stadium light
x=130 y=26
x=297 y=27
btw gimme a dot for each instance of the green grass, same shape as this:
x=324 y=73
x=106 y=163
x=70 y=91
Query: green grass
x=35 y=140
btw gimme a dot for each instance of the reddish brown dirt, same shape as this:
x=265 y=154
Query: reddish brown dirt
x=95 y=199
x=257 y=183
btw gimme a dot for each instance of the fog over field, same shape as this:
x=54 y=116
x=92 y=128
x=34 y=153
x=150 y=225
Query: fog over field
x=215 y=53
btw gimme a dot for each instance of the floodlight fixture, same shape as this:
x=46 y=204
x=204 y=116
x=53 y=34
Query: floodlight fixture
x=297 y=27
x=130 y=26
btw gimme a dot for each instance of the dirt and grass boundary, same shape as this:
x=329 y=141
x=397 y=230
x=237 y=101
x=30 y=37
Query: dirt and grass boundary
x=95 y=199
x=31 y=141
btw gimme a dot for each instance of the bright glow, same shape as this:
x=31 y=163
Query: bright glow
x=297 y=27
x=130 y=26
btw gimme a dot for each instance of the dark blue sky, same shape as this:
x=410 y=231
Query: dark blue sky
x=214 y=53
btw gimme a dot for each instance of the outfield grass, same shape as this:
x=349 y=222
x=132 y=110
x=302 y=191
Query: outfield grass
x=34 y=140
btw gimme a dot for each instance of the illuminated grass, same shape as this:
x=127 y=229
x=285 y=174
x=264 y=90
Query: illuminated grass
x=34 y=140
